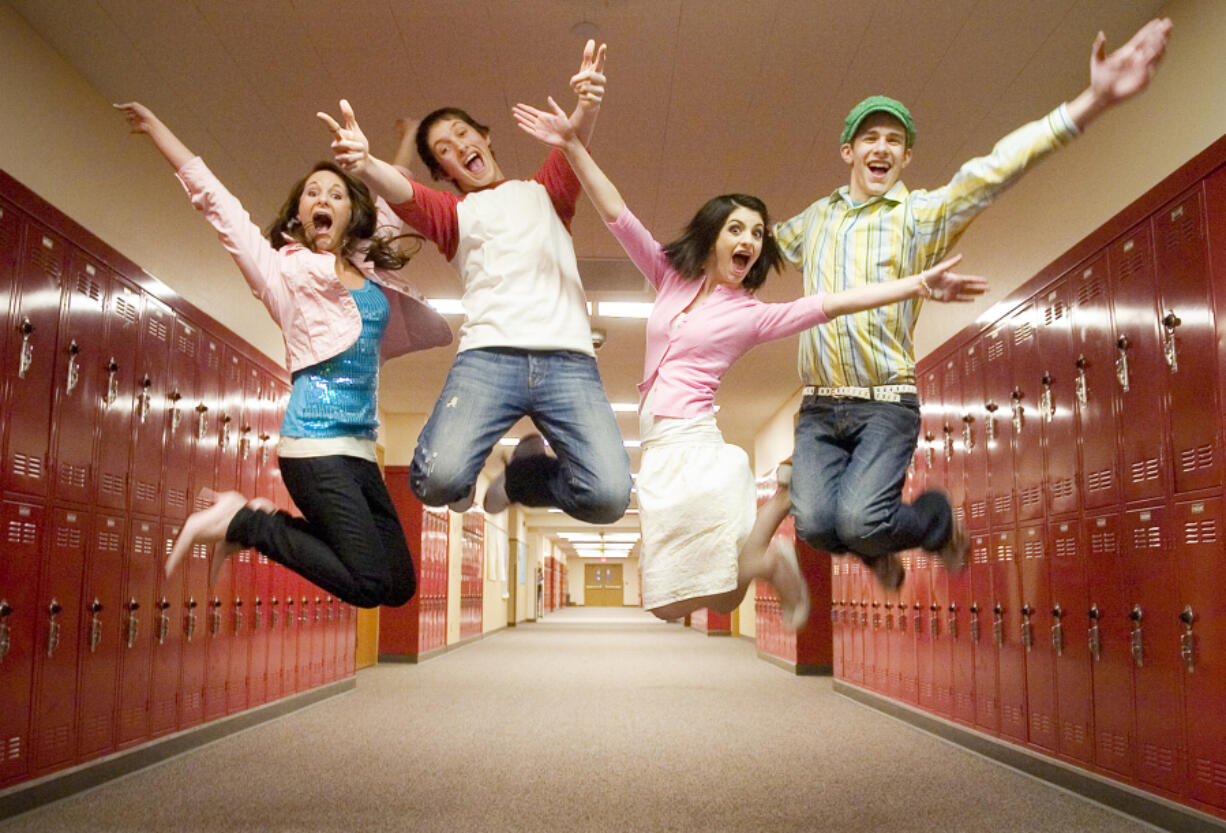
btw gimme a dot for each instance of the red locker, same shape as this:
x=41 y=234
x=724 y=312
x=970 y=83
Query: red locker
x=1057 y=391
x=942 y=644
x=1024 y=415
x=274 y=662
x=227 y=429
x=181 y=419
x=906 y=655
x=119 y=395
x=962 y=649
x=920 y=580
x=152 y=417
x=1070 y=600
x=1034 y=635
x=261 y=630
x=1155 y=640
x=20 y=617
x=249 y=430
x=102 y=620
x=998 y=433
x=53 y=736
x=1108 y=641
x=239 y=607
x=1140 y=369
x=1095 y=353
x=79 y=379
x=974 y=447
x=981 y=632
x=953 y=434
x=1007 y=624
x=1187 y=335
x=837 y=593
x=1199 y=525
x=138 y=615
x=171 y=619
x=30 y=352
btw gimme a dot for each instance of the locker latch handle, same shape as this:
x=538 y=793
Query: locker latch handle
x=112 y=382
x=244 y=441
x=215 y=617
x=95 y=625
x=902 y=618
x=863 y=613
x=1138 y=645
x=143 y=398
x=1096 y=642
x=223 y=436
x=302 y=611
x=953 y=621
x=202 y=425
x=133 y=622
x=1169 y=322
x=929 y=451
x=238 y=617
x=264 y=438
x=889 y=616
x=27 y=348
x=934 y=619
x=255 y=617
x=1047 y=402
x=919 y=619
x=53 y=627
x=1057 y=630
x=989 y=430
x=1187 y=640
x=189 y=621
x=272 y=617
x=975 y=622
x=74 y=367
x=1121 y=363
x=998 y=624
x=331 y=606
x=163 y=620
x=968 y=435
x=176 y=416
x=948 y=442
x=1081 y=386
x=1019 y=412
x=5 y=634
x=1027 y=638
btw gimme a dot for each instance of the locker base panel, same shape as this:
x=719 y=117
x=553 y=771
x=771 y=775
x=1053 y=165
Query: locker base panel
x=433 y=652
x=1146 y=807
x=29 y=795
x=800 y=669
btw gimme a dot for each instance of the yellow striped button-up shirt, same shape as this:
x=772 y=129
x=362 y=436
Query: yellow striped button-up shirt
x=839 y=245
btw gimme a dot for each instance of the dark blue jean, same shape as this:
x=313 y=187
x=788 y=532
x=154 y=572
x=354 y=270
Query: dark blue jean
x=486 y=392
x=848 y=471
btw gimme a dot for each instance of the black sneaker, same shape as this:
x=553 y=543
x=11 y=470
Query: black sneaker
x=889 y=571
x=496 y=499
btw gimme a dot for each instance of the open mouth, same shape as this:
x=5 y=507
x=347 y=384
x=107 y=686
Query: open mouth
x=321 y=221
x=474 y=163
x=741 y=261
x=879 y=168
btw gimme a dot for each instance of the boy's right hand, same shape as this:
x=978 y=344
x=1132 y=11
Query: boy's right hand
x=349 y=145
x=588 y=83
x=554 y=129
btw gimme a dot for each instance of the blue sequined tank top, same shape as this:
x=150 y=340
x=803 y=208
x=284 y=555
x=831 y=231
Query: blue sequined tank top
x=338 y=396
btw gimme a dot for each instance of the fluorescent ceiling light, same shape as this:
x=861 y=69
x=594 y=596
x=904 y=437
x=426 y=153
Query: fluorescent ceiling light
x=624 y=309
x=625 y=407
x=446 y=306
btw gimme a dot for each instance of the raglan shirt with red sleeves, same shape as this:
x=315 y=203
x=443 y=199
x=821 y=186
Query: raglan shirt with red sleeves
x=512 y=247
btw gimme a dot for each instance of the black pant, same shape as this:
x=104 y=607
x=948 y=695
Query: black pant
x=348 y=542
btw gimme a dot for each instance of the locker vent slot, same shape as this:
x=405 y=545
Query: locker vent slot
x=212 y=357
x=44 y=257
x=143 y=545
x=146 y=492
x=96 y=726
x=27 y=466
x=1042 y=724
x=1111 y=745
x=126 y=309
x=176 y=498
x=1184 y=227
x=193 y=701
x=108 y=541
x=1074 y=733
x=1031 y=496
x=1200 y=532
x=88 y=286
x=1147 y=538
x=186 y=345
x=1066 y=547
x=979 y=509
x=1091 y=288
x=200 y=551
x=1023 y=333
x=1032 y=549
x=1133 y=262
x=996 y=349
x=1001 y=504
x=67 y=537
x=13 y=749
x=1195 y=459
x=113 y=484
x=132 y=718
x=164 y=712
x=1210 y=773
x=72 y=476
x=1157 y=757
x=980 y=555
x=1062 y=489
x=1102 y=543
x=157 y=328
x=22 y=532
x=53 y=743
x=1012 y=714
x=1097 y=481
x=1054 y=313
x=1144 y=470
x=960 y=513
x=972 y=362
x=1004 y=552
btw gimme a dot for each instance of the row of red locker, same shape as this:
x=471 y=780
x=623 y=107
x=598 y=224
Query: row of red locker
x=472 y=574
x=1092 y=393
x=555 y=581
x=99 y=651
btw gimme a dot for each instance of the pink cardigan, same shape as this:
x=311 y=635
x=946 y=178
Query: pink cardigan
x=317 y=315
x=687 y=363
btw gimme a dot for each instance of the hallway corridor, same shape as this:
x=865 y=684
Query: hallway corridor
x=589 y=720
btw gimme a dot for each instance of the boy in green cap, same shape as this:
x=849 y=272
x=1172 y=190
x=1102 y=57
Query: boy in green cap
x=859 y=420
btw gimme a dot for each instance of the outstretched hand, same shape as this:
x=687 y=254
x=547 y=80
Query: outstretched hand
x=1127 y=70
x=553 y=128
x=948 y=287
x=140 y=118
x=588 y=83
x=349 y=145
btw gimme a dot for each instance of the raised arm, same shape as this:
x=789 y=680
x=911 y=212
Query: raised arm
x=937 y=284
x=588 y=84
x=1123 y=73
x=142 y=120
x=352 y=153
x=557 y=131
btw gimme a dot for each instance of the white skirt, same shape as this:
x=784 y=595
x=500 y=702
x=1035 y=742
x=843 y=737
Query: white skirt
x=697 y=503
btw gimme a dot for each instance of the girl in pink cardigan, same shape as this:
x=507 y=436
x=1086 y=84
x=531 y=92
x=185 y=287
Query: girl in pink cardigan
x=702 y=544
x=330 y=284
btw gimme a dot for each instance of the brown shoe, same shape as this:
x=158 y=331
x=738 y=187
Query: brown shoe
x=496 y=499
x=889 y=571
x=956 y=552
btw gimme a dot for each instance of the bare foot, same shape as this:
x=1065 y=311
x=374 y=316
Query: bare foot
x=789 y=582
x=207 y=526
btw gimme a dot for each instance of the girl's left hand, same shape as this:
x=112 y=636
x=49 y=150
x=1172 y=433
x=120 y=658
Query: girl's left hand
x=950 y=287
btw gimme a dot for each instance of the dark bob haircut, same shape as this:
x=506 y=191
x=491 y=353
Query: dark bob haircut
x=362 y=217
x=423 y=132
x=688 y=253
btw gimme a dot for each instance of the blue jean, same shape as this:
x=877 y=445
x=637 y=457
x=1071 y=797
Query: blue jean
x=848 y=471
x=486 y=392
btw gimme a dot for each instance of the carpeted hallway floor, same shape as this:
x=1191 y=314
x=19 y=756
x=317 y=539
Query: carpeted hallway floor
x=590 y=720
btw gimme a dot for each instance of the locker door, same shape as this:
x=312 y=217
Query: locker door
x=1035 y=630
x=240 y=604
x=1007 y=622
x=261 y=628
x=1202 y=578
x=1155 y=632
x=119 y=394
x=19 y=618
x=853 y=659
x=1140 y=369
x=102 y=620
x=53 y=734
x=291 y=629
x=79 y=377
x=332 y=640
x=953 y=436
x=30 y=357
x=981 y=634
x=974 y=449
x=1024 y=417
x=248 y=442
x=837 y=593
x=922 y=601
x=181 y=419
x=1188 y=340
x=998 y=434
x=228 y=427
x=1095 y=384
x=908 y=670
x=1054 y=411
x=956 y=612
x=138 y=614
x=274 y=663
x=318 y=634
x=1069 y=601
x=1108 y=643
x=938 y=634
x=171 y=620
x=152 y=417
